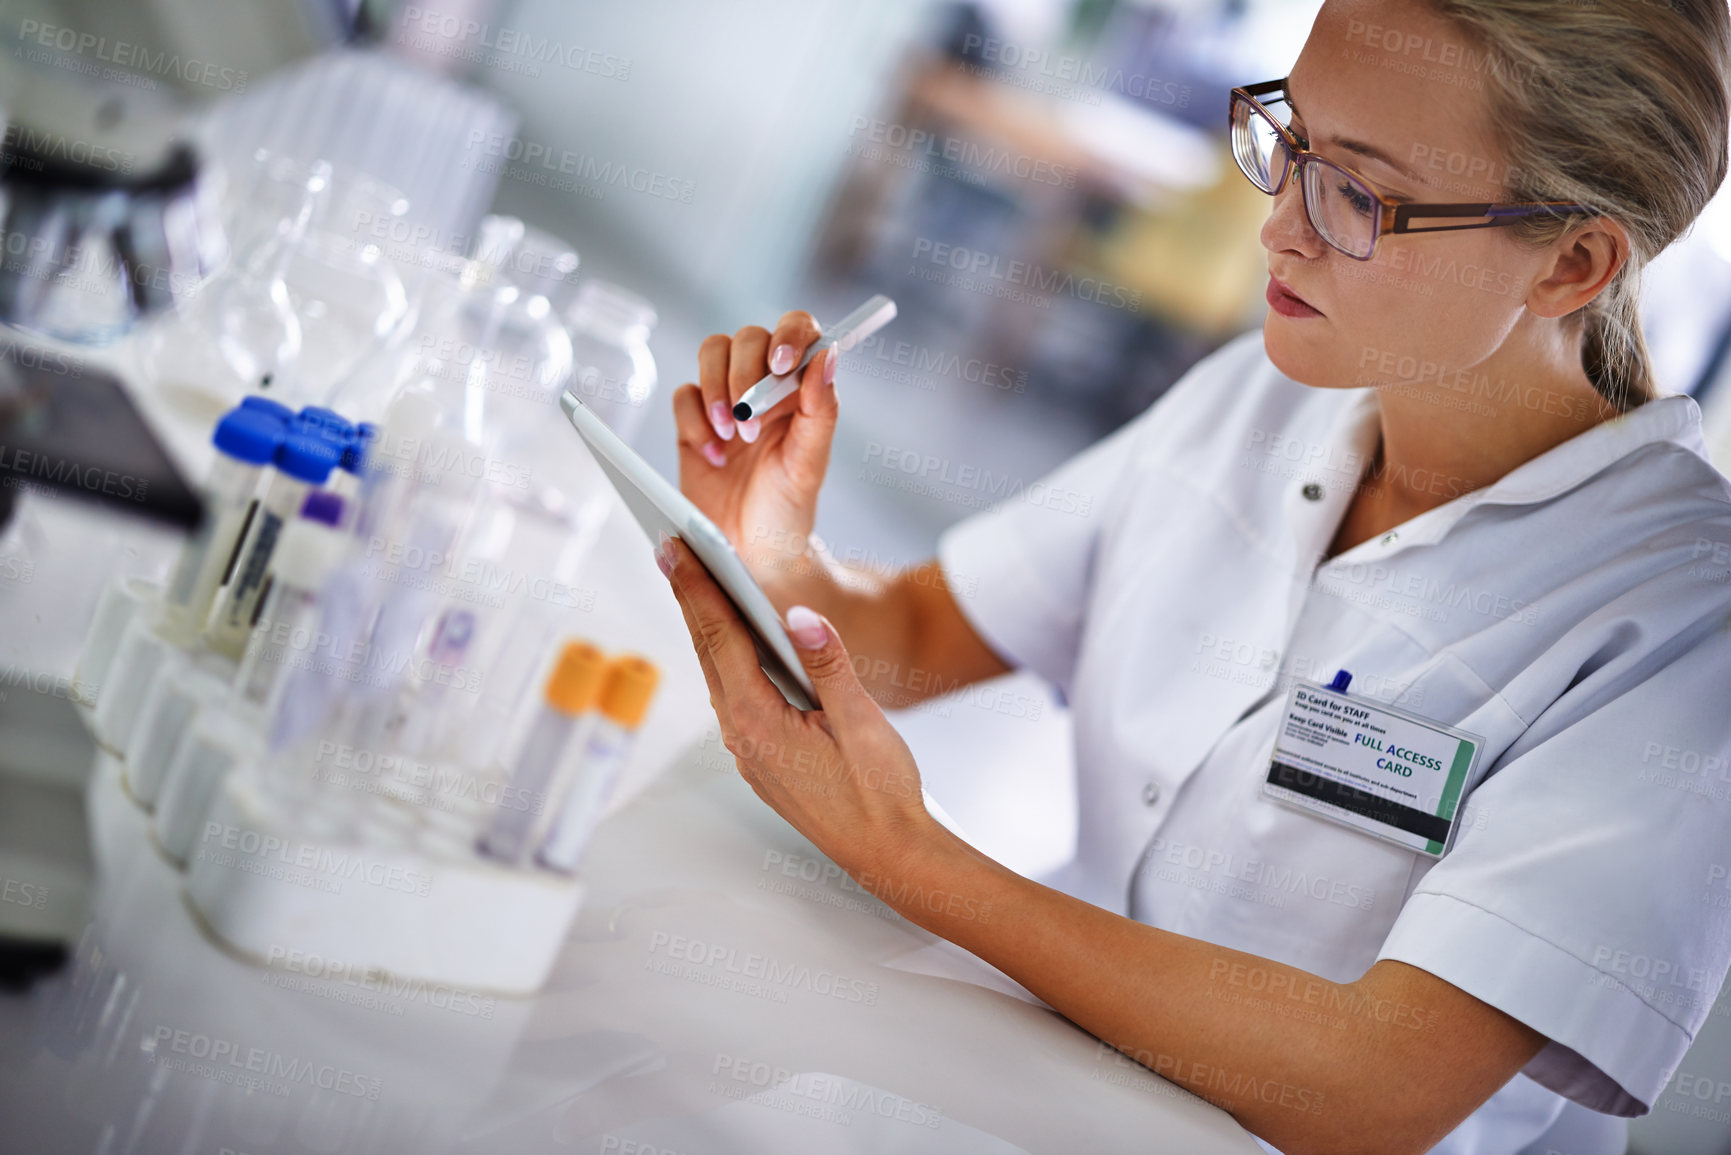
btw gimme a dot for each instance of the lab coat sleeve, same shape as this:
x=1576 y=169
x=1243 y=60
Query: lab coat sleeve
x=1021 y=570
x=1587 y=893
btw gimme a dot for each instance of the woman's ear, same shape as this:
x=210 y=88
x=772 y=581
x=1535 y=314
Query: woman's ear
x=1583 y=261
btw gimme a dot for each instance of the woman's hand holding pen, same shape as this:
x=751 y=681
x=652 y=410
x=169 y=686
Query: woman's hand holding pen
x=841 y=775
x=758 y=480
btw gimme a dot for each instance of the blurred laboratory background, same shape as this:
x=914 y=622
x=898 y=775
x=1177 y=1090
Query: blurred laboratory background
x=338 y=204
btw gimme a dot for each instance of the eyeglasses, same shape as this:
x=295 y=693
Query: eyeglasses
x=1346 y=210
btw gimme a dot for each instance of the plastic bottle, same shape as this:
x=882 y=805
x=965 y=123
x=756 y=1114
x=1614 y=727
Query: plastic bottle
x=246 y=440
x=303 y=461
x=625 y=695
x=570 y=693
x=613 y=370
x=536 y=261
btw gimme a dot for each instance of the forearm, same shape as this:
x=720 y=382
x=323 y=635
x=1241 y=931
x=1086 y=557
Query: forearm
x=1303 y=1062
x=871 y=612
x=875 y=614
x=1389 y=1063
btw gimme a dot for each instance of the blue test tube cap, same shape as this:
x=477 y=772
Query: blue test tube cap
x=324 y=507
x=249 y=435
x=319 y=417
x=332 y=426
x=360 y=446
x=308 y=457
x=270 y=405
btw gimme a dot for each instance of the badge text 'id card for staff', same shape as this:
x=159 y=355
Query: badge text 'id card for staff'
x=1387 y=772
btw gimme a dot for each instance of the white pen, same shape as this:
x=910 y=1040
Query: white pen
x=848 y=332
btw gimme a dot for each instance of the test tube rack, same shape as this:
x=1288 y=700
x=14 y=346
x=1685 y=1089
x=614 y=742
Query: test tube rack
x=414 y=903
x=402 y=892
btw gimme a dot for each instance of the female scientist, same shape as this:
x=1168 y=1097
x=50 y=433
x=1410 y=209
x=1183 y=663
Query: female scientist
x=1444 y=470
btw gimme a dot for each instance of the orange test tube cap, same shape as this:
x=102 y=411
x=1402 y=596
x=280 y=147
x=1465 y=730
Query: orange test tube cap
x=626 y=692
x=576 y=680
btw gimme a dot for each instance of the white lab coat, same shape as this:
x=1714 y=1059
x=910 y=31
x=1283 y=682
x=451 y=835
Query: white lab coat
x=1576 y=614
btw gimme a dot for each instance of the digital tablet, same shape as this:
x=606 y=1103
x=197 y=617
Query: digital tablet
x=659 y=507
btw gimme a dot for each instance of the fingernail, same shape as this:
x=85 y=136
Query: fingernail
x=713 y=454
x=664 y=555
x=831 y=358
x=807 y=627
x=721 y=419
x=781 y=360
x=749 y=429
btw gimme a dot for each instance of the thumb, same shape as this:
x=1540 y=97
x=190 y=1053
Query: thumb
x=812 y=430
x=826 y=661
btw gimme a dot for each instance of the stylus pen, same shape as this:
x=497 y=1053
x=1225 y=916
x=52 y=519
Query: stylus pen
x=848 y=332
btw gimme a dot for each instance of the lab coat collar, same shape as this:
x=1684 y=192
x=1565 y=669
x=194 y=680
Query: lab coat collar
x=1675 y=418
x=1562 y=467
x=1349 y=444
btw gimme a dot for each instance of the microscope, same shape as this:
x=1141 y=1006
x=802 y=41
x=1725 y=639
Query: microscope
x=106 y=218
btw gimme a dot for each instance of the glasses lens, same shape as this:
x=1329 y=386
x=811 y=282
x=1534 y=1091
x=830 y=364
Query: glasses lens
x=1257 y=146
x=1342 y=209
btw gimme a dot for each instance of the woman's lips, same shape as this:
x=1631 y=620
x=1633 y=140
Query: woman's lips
x=1287 y=303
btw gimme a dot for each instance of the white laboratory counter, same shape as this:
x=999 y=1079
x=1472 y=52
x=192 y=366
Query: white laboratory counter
x=721 y=992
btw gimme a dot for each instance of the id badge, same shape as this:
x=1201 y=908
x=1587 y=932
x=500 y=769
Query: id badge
x=1388 y=772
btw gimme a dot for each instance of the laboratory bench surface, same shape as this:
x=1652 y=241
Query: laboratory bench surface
x=725 y=989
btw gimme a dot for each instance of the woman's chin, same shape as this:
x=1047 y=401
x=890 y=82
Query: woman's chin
x=1313 y=362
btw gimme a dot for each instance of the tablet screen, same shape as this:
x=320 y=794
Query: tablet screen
x=658 y=506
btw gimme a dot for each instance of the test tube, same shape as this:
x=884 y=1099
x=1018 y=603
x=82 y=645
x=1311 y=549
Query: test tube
x=625 y=693
x=410 y=526
x=302 y=461
x=357 y=459
x=360 y=448
x=346 y=477
x=246 y=441
x=311 y=547
x=570 y=693
x=340 y=431
x=426 y=714
x=310 y=692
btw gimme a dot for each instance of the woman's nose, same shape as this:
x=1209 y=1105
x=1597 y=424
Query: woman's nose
x=1288 y=228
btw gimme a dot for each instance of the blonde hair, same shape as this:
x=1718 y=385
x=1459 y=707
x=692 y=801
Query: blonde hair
x=1620 y=105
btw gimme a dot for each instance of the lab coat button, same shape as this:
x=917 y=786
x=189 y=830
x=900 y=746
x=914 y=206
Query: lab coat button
x=1390 y=537
x=1312 y=491
x=1151 y=793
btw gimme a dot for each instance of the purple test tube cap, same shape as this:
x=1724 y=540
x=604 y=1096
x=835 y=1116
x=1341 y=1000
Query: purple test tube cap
x=323 y=507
